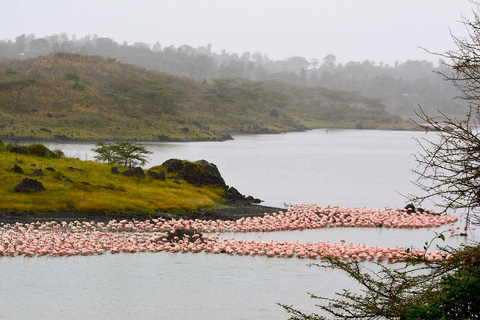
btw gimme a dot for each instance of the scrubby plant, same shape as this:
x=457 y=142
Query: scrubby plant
x=38 y=149
x=72 y=76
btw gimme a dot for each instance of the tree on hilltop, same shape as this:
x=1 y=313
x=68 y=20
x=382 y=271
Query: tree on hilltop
x=125 y=153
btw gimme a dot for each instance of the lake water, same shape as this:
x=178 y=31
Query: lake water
x=350 y=168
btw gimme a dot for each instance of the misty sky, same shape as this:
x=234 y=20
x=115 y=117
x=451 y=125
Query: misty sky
x=352 y=30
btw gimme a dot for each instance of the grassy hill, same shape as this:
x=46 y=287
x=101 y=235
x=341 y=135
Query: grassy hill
x=91 y=187
x=69 y=96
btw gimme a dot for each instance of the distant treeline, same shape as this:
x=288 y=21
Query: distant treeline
x=402 y=87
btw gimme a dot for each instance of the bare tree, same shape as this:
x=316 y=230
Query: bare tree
x=449 y=174
x=449 y=165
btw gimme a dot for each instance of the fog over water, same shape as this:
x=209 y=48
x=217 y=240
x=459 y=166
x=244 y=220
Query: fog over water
x=380 y=31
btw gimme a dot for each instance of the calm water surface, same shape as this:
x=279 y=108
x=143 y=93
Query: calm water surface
x=340 y=167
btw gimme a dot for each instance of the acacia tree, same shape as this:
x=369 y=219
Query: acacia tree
x=124 y=153
x=449 y=167
x=449 y=174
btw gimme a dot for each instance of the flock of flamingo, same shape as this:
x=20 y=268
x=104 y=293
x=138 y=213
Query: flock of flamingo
x=183 y=235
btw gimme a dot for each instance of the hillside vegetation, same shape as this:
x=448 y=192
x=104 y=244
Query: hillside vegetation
x=70 y=96
x=91 y=187
x=401 y=86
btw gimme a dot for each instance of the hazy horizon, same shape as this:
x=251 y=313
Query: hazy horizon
x=380 y=31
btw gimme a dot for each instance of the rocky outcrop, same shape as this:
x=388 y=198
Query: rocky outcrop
x=29 y=185
x=156 y=175
x=17 y=169
x=202 y=173
x=134 y=172
x=198 y=173
x=233 y=196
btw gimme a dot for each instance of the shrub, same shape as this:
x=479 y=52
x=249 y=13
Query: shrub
x=38 y=149
x=72 y=76
x=78 y=86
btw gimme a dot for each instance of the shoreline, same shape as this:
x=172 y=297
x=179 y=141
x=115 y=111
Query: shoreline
x=222 y=138
x=232 y=212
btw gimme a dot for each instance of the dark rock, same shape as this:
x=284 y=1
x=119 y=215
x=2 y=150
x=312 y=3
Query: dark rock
x=85 y=183
x=38 y=172
x=156 y=175
x=410 y=207
x=197 y=173
x=233 y=196
x=17 y=169
x=45 y=130
x=19 y=150
x=134 y=172
x=29 y=185
x=68 y=180
x=115 y=170
x=20 y=162
x=75 y=169
x=183 y=234
x=50 y=169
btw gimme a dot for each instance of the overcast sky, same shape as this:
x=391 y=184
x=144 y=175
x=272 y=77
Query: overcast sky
x=352 y=30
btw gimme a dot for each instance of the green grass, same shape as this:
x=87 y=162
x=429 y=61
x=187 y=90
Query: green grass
x=95 y=189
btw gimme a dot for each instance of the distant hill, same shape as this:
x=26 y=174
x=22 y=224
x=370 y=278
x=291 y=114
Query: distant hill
x=402 y=87
x=70 y=96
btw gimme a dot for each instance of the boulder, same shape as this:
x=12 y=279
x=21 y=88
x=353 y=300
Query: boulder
x=17 y=169
x=197 y=173
x=115 y=170
x=50 y=169
x=232 y=195
x=134 y=172
x=410 y=207
x=156 y=175
x=29 y=185
x=180 y=234
x=38 y=172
